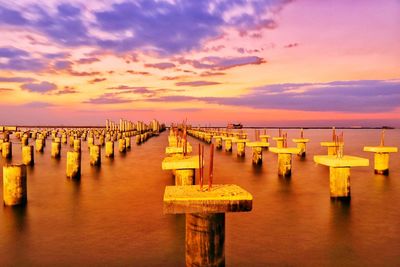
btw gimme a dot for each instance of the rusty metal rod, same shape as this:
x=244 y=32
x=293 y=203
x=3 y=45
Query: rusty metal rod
x=210 y=173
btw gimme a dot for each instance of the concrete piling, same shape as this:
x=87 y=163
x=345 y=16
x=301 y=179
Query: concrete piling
x=122 y=145
x=56 y=148
x=205 y=218
x=27 y=155
x=95 y=155
x=109 y=149
x=257 y=148
x=73 y=165
x=39 y=145
x=14 y=184
x=339 y=172
x=6 y=150
x=128 y=143
x=381 y=155
x=77 y=145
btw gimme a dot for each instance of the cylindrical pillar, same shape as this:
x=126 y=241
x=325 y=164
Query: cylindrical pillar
x=95 y=155
x=218 y=143
x=332 y=150
x=39 y=143
x=14 y=184
x=73 y=164
x=185 y=177
x=71 y=141
x=101 y=140
x=241 y=149
x=205 y=239
x=137 y=139
x=6 y=150
x=257 y=155
x=339 y=182
x=77 y=145
x=90 y=142
x=109 y=149
x=302 y=147
x=381 y=163
x=279 y=143
x=285 y=165
x=64 y=138
x=228 y=145
x=24 y=141
x=128 y=142
x=122 y=145
x=56 y=148
x=27 y=155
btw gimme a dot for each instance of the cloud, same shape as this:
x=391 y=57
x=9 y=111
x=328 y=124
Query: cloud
x=291 y=45
x=43 y=87
x=11 y=17
x=161 y=66
x=83 y=73
x=211 y=73
x=88 y=60
x=2 y=90
x=221 y=63
x=16 y=80
x=108 y=98
x=20 y=60
x=138 y=72
x=165 y=27
x=196 y=83
x=97 y=80
x=363 y=96
x=62 y=64
x=66 y=90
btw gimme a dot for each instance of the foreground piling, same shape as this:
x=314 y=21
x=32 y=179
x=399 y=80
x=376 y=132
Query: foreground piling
x=205 y=218
x=14 y=184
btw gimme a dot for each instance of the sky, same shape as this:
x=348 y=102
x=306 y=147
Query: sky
x=260 y=63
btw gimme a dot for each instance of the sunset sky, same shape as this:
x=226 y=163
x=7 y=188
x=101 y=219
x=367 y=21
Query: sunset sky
x=266 y=62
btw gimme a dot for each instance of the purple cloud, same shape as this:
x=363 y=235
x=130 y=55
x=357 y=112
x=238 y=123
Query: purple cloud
x=221 y=63
x=160 y=26
x=16 y=80
x=108 y=98
x=11 y=17
x=291 y=45
x=62 y=64
x=161 y=66
x=364 y=96
x=196 y=83
x=66 y=91
x=19 y=60
x=88 y=60
x=43 y=87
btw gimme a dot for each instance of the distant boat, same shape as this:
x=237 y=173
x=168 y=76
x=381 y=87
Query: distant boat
x=234 y=126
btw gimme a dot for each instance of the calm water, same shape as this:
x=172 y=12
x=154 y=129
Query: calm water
x=113 y=216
